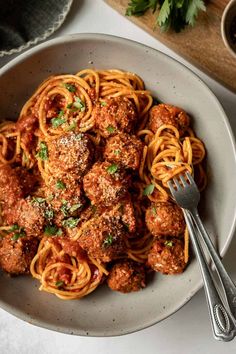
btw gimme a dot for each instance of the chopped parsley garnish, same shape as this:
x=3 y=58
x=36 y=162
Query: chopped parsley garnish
x=110 y=129
x=51 y=197
x=59 y=283
x=69 y=105
x=43 y=151
x=79 y=136
x=18 y=235
x=51 y=230
x=75 y=207
x=103 y=104
x=59 y=120
x=60 y=185
x=71 y=222
x=154 y=210
x=49 y=214
x=117 y=152
x=108 y=240
x=149 y=189
x=169 y=243
x=38 y=200
x=64 y=209
x=72 y=126
x=70 y=87
x=79 y=104
x=112 y=169
x=14 y=227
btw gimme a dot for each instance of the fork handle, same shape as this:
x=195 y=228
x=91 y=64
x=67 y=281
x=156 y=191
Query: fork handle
x=228 y=286
x=222 y=324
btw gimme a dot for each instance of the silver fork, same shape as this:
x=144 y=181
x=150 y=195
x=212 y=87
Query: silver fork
x=187 y=197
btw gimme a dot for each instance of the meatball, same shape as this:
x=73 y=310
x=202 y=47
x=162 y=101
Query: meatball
x=167 y=256
x=167 y=114
x=105 y=183
x=29 y=214
x=126 y=276
x=114 y=115
x=104 y=238
x=165 y=219
x=16 y=255
x=70 y=153
x=65 y=195
x=124 y=149
x=13 y=184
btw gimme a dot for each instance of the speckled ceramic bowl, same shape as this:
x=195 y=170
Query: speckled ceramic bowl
x=106 y=313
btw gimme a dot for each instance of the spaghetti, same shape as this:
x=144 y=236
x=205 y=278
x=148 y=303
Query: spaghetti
x=65 y=104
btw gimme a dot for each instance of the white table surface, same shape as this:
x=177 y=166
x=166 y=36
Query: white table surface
x=186 y=332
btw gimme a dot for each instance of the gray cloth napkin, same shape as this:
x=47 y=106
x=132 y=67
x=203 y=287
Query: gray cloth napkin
x=26 y=22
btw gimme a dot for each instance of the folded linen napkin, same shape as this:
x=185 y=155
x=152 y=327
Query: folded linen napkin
x=26 y=22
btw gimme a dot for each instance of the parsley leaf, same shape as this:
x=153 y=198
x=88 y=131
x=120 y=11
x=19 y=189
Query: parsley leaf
x=71 y=222
x=70 y=87
x=110 y=129
x=72 y=126
x=38 y=200
x=79 y=104
x=59 y=120
x=14 y=227
x=49 y=214
x=43 y=151
x=112 y=169
x=51 y=230
x=18 y=235
x=59 y=283
x=103 y=104
x=108 y=240
x=175 y=14
x=154 y=210
x=75 y=207
x=192 y=12
x=169 y=243
x=117 y=152
x=60 y=185
x=149 y=189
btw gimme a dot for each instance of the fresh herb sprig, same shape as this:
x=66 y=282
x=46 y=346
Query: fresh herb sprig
x=175 y=14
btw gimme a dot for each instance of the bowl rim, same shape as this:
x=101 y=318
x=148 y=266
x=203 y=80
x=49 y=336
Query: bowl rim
x=224 y=35
x=120 y=40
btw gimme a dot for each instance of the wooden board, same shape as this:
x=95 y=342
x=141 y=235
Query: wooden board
x=201 y=45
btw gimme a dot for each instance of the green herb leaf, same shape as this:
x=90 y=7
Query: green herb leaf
x=43 y=151
x=117 y=152
x=49 y=214
x=108 y=240
x=60 y=185
x=103 y=104
x=149 y=189
x=51 y=230
x=169 y=243
x=69 y=105
x=59 y=283
x=14 y=227
x=154 y=210
x=71 y=222
x=72 y=126
x=79 y=104
x=51 y=197
x=139 y=7
x=64 y=209
x=18 y=235
x=110 y=129
x=75 y=207
x=112 y=169
x=70 y=87
x=193 y=8
x=163 y=18
x=38 y=200
x=56 y=122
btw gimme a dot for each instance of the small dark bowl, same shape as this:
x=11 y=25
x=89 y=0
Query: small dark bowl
x=228 y=27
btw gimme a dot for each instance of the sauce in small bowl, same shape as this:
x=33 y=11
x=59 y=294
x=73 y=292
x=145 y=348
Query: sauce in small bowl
x=228 y=27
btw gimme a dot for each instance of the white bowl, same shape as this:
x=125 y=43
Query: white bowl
x=106 y=313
